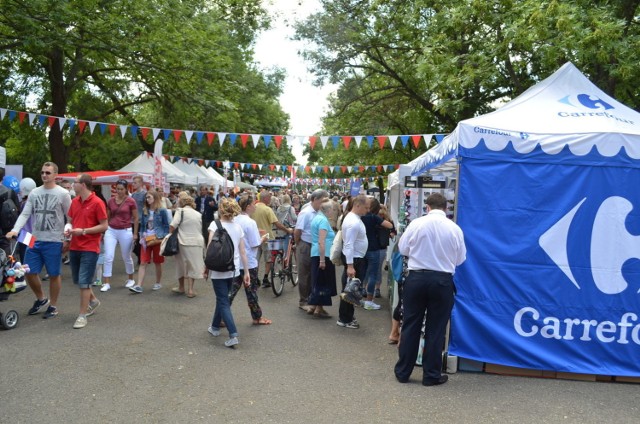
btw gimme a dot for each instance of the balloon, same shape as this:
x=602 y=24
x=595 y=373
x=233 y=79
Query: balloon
x=11 y=182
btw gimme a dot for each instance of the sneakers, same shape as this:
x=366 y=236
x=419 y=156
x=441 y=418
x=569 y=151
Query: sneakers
x=130 y=283
x=105 y=287
x=265 y=282
x=97 y=283
x=66 y=260
x=51 y=312
x=377 y=294
x=81 y=322
x=214 y=333
x=91 y=309
x=370 y=305
x=46 y=277
x=352 y=324
x=353 y=298
x=231 y=342
x=135 y=289
x=156 y=286
x=37 y=305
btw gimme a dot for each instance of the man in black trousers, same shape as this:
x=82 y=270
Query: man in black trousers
x=206 y=205
x=435 y=247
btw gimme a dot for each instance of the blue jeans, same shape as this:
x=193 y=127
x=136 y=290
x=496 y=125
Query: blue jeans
x=222 y=287
x=373 y=270
x=83 y=267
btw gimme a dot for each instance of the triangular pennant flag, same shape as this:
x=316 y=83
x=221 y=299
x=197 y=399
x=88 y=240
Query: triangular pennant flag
x=165 y=134
x=42 y=119
x=236 y=165
x=335 y=140
x=123 y=130
x=176 y=135
x=221 y=137
x=283 y=168
x=278 y=140
x=290 y=140
x=405 y=140
x=439 y=138
x=350 y=169
x=187 y=135
x=392 y=140
x=32 y=117
x=244 y=138
x=72 y=124
x=199 y=135
x=427 y=139
x=336 y=168
x=51 y=120
x=346 y=140
x=343 y=169
x=155 y=132
x=256 y=139
x=389 y=168
x=134 y=131
x=82 y=125
x=112 y=129
x=210 y=136
x=260 y=166
x=103 y=127
x=92 y=126
x=379 y=168
x=272 y=167
x=12 y=115
x=267 y=140
x=3 y=112
x=145 y=132
x=61 y=122
x=254 y=165
x=312 y=141
x=381 y=140
x=416 y=140
x=358 y=139
x=323 y=140
x=370 y=141
x=21 y=116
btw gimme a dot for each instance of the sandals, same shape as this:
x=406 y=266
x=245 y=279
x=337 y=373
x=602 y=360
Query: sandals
x=262 y=321
x=191 y=295
x=321 y=314
x=177 y=290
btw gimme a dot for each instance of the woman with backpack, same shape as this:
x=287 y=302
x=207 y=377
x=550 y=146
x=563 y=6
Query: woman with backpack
x=154 y=225
x=225 y=256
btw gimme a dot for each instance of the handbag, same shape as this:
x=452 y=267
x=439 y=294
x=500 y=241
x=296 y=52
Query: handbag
x=170 y=245
x=152 y=240
x=336 y=249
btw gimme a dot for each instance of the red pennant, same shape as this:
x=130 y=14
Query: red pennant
x=361 y=168
x=236 y=165
x=325 y=169
x=51 y=120
x=210 y=136
x=381 y=140
x=312 y=141
x=244 y=138
x=112 y=129
x=278 y=140
x=343 y=169
x=82 y=125
x=176 y=135
x=272 y=167
x=145 y=132
x=288 y=168
x=379 y=168
x=307 y=169
x=21 y=116
x=200 y=162
x=254 y=165
x=396 y=166
x=347 y=140
x=416 y=140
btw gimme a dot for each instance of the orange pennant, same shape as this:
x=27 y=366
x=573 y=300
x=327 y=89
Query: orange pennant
x=278 y=140
x=244 y=138
x=176 y=135
x=416 y=140
x=145 y=132
x=210 y=137
x=381 y=140
x=347 y=140
x=312 y=141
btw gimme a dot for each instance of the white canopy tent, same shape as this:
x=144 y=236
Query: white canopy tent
x=144 y=164
x=192 y=169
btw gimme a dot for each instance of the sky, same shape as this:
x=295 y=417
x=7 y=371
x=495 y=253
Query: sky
x=305 y=103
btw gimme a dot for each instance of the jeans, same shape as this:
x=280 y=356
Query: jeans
x=373 y=271
x=222 y=287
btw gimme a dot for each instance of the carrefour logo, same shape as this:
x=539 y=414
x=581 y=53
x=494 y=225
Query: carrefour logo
x=587 y=105
x=611 y=244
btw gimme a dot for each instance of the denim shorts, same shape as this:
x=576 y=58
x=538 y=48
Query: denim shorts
x=83 y=267
x=44 y=253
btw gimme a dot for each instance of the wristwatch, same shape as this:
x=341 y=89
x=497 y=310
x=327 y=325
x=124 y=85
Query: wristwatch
x=84 y=231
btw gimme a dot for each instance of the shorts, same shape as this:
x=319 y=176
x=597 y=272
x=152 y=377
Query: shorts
x=83 y=267
x=47 y=254
x=147 y=252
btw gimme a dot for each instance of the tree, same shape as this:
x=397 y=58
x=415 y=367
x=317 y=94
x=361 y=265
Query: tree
x=422 y=66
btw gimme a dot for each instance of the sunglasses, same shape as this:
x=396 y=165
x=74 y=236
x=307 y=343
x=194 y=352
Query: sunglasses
x=122 y=182
x=45 y=172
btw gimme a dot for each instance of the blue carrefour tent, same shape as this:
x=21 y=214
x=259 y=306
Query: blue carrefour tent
x=550 y=207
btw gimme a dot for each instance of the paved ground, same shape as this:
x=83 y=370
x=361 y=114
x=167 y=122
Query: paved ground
x=148 y=358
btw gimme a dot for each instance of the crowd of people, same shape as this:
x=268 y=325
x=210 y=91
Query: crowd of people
x=74 y=219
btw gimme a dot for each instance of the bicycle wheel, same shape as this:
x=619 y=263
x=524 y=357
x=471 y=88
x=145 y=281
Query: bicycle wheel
x=293 y=270
x=277 y=275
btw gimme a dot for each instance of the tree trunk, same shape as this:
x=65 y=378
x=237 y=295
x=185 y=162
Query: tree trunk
x=58 y=150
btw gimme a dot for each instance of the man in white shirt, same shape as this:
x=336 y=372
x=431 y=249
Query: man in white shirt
x=435 y=247
x=354 y=249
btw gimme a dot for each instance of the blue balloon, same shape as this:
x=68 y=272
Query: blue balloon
x=11 y=182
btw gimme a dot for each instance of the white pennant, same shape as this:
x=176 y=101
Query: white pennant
x=221 y=137
x=301 y=139
x=155 y=132
x=349 y=168
x=188 y=135
x=61 y=122
x=392 y=140
x=358 y=140
x=92 y=126
x=427 y=139
x=3 y=112
x=260 y=167
x=323 y=140
x=255 y=138
x=290 y=140
x=32 y=117
x=123 y=130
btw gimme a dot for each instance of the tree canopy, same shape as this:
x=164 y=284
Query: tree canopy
x=421 y=66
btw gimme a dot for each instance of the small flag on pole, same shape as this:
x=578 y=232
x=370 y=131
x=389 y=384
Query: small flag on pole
x=27 y=238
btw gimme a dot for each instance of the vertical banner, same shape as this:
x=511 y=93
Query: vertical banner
x=157 y=162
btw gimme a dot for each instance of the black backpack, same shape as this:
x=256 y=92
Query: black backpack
x=8 y=210
x=220 y=251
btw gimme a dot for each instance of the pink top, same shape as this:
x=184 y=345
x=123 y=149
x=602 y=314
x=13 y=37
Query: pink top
x=121 y=214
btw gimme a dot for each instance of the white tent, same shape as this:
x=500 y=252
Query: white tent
x=217 y=177
x=192 y=169
x=144 y=164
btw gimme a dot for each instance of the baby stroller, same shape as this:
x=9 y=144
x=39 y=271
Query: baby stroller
x=13 y=281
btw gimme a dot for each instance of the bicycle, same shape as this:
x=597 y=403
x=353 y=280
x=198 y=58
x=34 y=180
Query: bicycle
x=283 y=263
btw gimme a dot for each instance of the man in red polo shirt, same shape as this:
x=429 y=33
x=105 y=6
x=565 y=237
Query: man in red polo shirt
x=87 y=222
